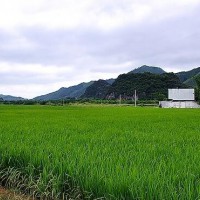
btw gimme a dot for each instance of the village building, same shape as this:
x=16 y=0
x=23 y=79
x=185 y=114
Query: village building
x=180 y=98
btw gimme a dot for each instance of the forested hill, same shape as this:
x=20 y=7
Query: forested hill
x=187 y=77
x=97 y=90
x=71 y=92
x=148 y=85
x=151 y=69
x=150 y=82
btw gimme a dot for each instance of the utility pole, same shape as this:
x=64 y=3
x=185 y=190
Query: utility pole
x=135 y=98
x=120 y=99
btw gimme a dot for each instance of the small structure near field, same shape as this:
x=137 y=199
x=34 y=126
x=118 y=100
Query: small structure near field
x=180 y=98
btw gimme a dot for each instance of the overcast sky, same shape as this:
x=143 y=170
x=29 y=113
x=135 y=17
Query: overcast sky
x=48 y=44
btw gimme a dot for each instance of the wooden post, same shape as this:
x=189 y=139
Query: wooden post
x=135 y=98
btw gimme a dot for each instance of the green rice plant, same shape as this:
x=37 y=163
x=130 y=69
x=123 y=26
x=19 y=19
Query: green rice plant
x=87 y=152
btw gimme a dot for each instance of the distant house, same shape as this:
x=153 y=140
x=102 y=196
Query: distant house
x=180 y=98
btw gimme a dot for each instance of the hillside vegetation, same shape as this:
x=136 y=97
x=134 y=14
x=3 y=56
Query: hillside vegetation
x=148 y=85
x=97 y=90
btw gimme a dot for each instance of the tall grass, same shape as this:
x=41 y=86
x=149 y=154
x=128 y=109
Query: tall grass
x=109 y=152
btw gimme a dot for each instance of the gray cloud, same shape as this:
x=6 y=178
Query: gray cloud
x=172 y=42
x=24 y=78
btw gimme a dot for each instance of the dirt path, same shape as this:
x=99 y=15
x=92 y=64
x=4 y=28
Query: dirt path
x=9 y=195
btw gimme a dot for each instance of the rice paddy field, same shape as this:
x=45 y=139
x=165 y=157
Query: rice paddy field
x=100 y=152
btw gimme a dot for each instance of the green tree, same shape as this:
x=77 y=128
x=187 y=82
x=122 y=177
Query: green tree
x=197 y=79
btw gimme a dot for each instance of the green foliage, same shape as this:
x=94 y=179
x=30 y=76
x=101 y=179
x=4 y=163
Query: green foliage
x=113 y=152
x=197 y=79
x=97 y=90
x=148 y=85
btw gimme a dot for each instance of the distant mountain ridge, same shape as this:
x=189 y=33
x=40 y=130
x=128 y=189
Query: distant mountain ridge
x=187 y=77
x=84 y=90
x=87 y=90
x=10 y=98
x=71 y=92
x=75 y=91
x=184 y=75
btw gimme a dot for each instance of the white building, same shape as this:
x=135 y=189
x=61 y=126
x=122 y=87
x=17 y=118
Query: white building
x=181 y=94
x=180 y=98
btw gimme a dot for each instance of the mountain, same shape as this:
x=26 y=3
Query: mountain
x=70 y=92
x=10 y=98
x=150 y=69
x=75 y=91
x=148 y=85
x=97 y=90
x=84 y=90
x=110 y=81
x=80 y=89
x=191 y=81
x=187 y=77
